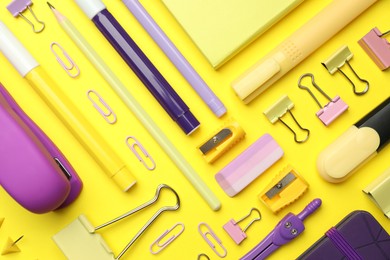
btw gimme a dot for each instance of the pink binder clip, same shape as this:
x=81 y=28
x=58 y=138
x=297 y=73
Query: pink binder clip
x=69 y=65
x=377 y=48
x=157 y=243
x=235 y=231
x=109 y=114
x=133 y=146
x=210 y=232
x=330 y=111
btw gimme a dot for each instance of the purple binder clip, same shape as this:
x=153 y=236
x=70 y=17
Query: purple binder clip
x=290 y=227
x=328 y=113
x=17 y=7
x=377 y=48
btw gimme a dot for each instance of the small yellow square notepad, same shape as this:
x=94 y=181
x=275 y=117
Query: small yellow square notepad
x=221 y=28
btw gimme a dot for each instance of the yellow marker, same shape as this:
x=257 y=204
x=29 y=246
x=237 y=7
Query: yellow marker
x=65 y=110
x=283 y=190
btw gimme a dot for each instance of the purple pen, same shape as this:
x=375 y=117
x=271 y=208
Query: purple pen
x=140 y=64
x=188 y=72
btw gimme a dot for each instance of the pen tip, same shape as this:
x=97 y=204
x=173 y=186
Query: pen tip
x=52 y=7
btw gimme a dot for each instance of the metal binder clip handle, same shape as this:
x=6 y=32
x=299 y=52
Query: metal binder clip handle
x=211 y=233
x=157 y=243
x=17 y=7
x=133 y=146
x=108 y=115
x=69 y=65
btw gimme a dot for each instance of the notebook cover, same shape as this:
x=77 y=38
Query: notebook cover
x=363 y=233
x=221 y=28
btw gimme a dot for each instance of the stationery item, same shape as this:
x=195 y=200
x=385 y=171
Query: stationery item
x=279 y=109
x=332 y=110
x=228 y=31
x=222 y=141
x=185 y=68
x=220 y=250
x=235 y=231
x=69 y=65
x=150 y=165
x=160 y=246
x=17 y=7
x=33 y=170
x=290 y=227
x=377 y=47
x=357 y=236
x=64 y=109
x=203 y=255
x=140 y=64
x=79 y=239
x=11 y=246
x=284 y=189
x=108 y=114
x=379 y=192
x=356 y=146
x=337 y=60
x=250 y=164
x=297 y=47
x=138 y=111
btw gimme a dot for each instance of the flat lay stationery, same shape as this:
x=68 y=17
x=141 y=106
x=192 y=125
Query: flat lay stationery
x=299 y=171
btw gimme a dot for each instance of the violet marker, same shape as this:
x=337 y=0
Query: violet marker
x=286 y=230
x=185 y=68
x=140 y=64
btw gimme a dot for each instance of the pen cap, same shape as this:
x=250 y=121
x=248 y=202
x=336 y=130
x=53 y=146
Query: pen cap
x=15 y=52
x=91 y=7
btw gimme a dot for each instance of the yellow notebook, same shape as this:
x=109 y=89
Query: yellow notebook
x=221 y=28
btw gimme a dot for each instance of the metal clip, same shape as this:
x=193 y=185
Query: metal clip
x=163 y=245
x=17 y=7
x=67 y=67
x=109 y=112
x=202 y=254
x=222 y=141
x=279 y=109
x=133 y=146
x=377 y=48
x=235 y=231
x=283 y=190
x=337 y=60
x=79 y=239
x=333 y=109
x=211 y=233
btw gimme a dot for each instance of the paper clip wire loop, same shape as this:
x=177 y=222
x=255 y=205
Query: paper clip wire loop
x=133 y=146
x=211 y=233
x=157 y=243
x=109 y=115
x=69 y=65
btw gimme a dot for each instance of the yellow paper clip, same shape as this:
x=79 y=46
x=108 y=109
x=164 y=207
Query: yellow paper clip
x=337 y=60
x=108 y=115
x=221 y=251
x=283 y=190
x=151 y=165
x=279 y=109
x=161 y=245
x=69 y=65
x=221 y=141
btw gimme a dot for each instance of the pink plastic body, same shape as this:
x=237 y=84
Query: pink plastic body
x=249 y=165
x=234 y=231
x=332 y=110
x=377 y=48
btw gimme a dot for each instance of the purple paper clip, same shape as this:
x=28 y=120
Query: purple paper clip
x=157 y=243
x=133 y=146
x=235 y=231
x=377 y=48
x=211 y=233
x=109 y=114
x=69 y=65
x=17 y=7
x=328 y=113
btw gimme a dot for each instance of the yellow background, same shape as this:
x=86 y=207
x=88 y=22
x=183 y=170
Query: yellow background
x=101 y=200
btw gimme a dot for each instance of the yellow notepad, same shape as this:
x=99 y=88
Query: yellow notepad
x=221 y=28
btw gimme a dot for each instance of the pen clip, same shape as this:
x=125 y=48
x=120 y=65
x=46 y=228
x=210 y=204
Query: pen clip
x=133 y=147
x=67 y=67
x=109 y=112
x=161 y=246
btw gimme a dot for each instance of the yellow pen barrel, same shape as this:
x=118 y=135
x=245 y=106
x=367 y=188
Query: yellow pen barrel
x=76 y=123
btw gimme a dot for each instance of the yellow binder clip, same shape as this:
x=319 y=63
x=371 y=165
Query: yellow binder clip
x=222 y=141
x=283 y=190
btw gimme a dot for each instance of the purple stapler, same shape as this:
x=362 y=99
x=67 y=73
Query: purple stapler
x=32 y=169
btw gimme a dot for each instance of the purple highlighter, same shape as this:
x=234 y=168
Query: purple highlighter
x=140 y=64
x=32 y=169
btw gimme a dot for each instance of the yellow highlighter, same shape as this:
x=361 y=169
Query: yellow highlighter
x=64 y=109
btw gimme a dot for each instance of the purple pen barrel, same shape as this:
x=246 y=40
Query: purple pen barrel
x=309 y=209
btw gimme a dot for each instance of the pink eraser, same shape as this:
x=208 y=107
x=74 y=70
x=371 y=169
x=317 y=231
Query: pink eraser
x=234 y=231
x=246 y=167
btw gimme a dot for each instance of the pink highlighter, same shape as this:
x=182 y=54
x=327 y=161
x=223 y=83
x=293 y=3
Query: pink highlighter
x=32 y=169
